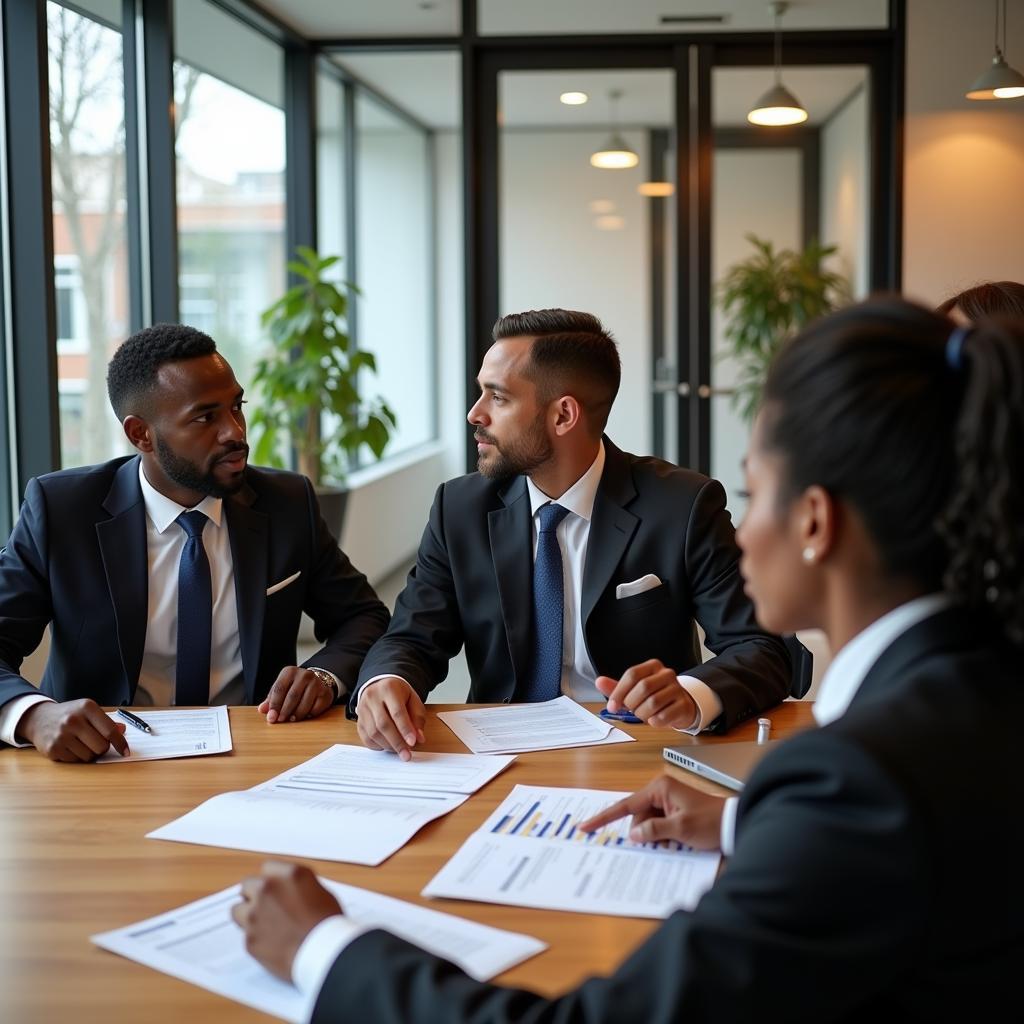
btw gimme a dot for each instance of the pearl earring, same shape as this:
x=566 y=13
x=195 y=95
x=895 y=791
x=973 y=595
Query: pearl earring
x=809 y=555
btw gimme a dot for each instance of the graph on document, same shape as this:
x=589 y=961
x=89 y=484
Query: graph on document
x=555 y=815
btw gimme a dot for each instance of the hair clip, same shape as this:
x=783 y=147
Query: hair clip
x=955 y=347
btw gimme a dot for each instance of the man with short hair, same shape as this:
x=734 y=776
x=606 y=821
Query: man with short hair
x=175 y=576
x=568 y=566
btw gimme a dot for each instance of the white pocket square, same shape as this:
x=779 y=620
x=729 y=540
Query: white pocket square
x=284 y=583
x=640 y=586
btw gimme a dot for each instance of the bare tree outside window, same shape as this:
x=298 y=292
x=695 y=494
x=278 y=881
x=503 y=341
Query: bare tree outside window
x=89 y=199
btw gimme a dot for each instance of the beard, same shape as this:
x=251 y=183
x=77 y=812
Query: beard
x=516 y=458
x=189 y=474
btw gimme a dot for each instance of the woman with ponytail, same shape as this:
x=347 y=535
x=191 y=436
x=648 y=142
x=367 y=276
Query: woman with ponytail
x=875 y=862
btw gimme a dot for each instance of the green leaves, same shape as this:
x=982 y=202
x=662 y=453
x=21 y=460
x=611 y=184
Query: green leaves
x=767 y=298
x=312 y=369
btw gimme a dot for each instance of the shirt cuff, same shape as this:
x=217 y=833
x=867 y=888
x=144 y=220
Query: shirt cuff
x=316 y=956
x=374 y=679
x=727 y=840
x=12 y=713
x=709 y=704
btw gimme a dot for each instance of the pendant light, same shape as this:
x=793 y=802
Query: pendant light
x=615 y=155
x=778 y=106
x=999 y=81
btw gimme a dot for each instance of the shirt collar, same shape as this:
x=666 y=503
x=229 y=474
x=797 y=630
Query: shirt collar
x=579 y=498
x=852 y=662
x=162 y=511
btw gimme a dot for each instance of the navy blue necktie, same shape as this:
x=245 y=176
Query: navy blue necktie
x=545 y=682
x=195 y=614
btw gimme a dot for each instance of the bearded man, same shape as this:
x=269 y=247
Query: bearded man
x=566 y=566
x=176 y=576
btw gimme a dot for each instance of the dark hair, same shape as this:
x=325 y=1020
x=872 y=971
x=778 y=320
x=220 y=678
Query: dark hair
x=926 y=446
x=571 y=352
x=990 y=298
x=131 y=375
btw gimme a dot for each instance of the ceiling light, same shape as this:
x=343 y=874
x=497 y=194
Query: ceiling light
x=615 y=155
x=656 y=189
x=601 y=206
x=610 y=222
x=778 y=106
x=574 y=99
x=999 y=81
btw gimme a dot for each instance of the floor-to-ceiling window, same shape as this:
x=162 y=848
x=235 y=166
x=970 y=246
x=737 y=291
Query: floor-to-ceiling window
x=87 y=156
x=230 y=147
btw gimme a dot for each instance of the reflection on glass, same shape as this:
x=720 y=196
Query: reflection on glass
x=89 y=232
x=395 y=310
x=576 y=236
x=230 y=147
x=330 y=168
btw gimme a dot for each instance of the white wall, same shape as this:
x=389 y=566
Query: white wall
x=963 y=216
x=845 y=203
x=553 y=254
x=388 y=506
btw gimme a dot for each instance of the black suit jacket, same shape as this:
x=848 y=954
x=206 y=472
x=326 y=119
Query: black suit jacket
x=77 y=560
x=473 y=578
x=876 y=876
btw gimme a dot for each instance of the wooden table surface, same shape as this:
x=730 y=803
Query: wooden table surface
x=74 y=861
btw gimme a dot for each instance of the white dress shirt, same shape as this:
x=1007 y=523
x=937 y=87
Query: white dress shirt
x=573 y=534
x=846 y=673
x=164 y=543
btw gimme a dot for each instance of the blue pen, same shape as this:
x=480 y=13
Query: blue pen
x=621 y=716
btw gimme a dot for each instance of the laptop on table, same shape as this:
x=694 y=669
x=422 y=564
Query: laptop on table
x=728 y=764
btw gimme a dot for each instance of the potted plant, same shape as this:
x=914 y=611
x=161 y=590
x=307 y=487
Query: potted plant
x=767 y=298
x=313 y=369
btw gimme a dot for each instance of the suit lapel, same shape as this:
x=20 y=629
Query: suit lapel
x=511 y=538
x=940 y=635
x=123 y=548
x=612 y=527
x=248 y=534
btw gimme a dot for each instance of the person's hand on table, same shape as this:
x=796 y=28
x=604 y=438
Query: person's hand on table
x=667 y=809
x=279 y=909
x=77 y=730
x=391 y=716
x=297 y=694
x=652 y=692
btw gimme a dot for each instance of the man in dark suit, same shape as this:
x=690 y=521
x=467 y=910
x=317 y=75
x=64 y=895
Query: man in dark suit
x=568 y=566
x=867 y=881
x=177 y=576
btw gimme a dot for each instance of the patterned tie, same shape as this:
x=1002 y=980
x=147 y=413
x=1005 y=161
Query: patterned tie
x=195 y=614
x=545 y=681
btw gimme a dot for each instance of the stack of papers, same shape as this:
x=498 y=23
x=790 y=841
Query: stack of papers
x=347 y=803
x=530 y=853
x=200 y=943
x=187 y=733
x=516 y=728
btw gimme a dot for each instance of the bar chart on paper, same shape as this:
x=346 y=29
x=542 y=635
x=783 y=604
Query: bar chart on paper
x=556 y=814
x=531 y=852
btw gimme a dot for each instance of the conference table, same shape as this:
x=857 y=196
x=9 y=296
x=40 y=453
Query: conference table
x=74 y=861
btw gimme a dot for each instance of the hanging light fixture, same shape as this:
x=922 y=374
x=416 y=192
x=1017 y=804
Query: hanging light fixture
x=616 y=154
x=999 y=81
x=778 y=106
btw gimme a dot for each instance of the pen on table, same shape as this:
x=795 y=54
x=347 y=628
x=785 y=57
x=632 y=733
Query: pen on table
x=763 y=727
x=134 y=720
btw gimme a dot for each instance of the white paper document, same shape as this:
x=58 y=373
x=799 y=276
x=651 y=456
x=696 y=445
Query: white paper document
x=185 y=733
x=516 y=728
x=347 y=803
x=200 y=943
x=530 y=853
